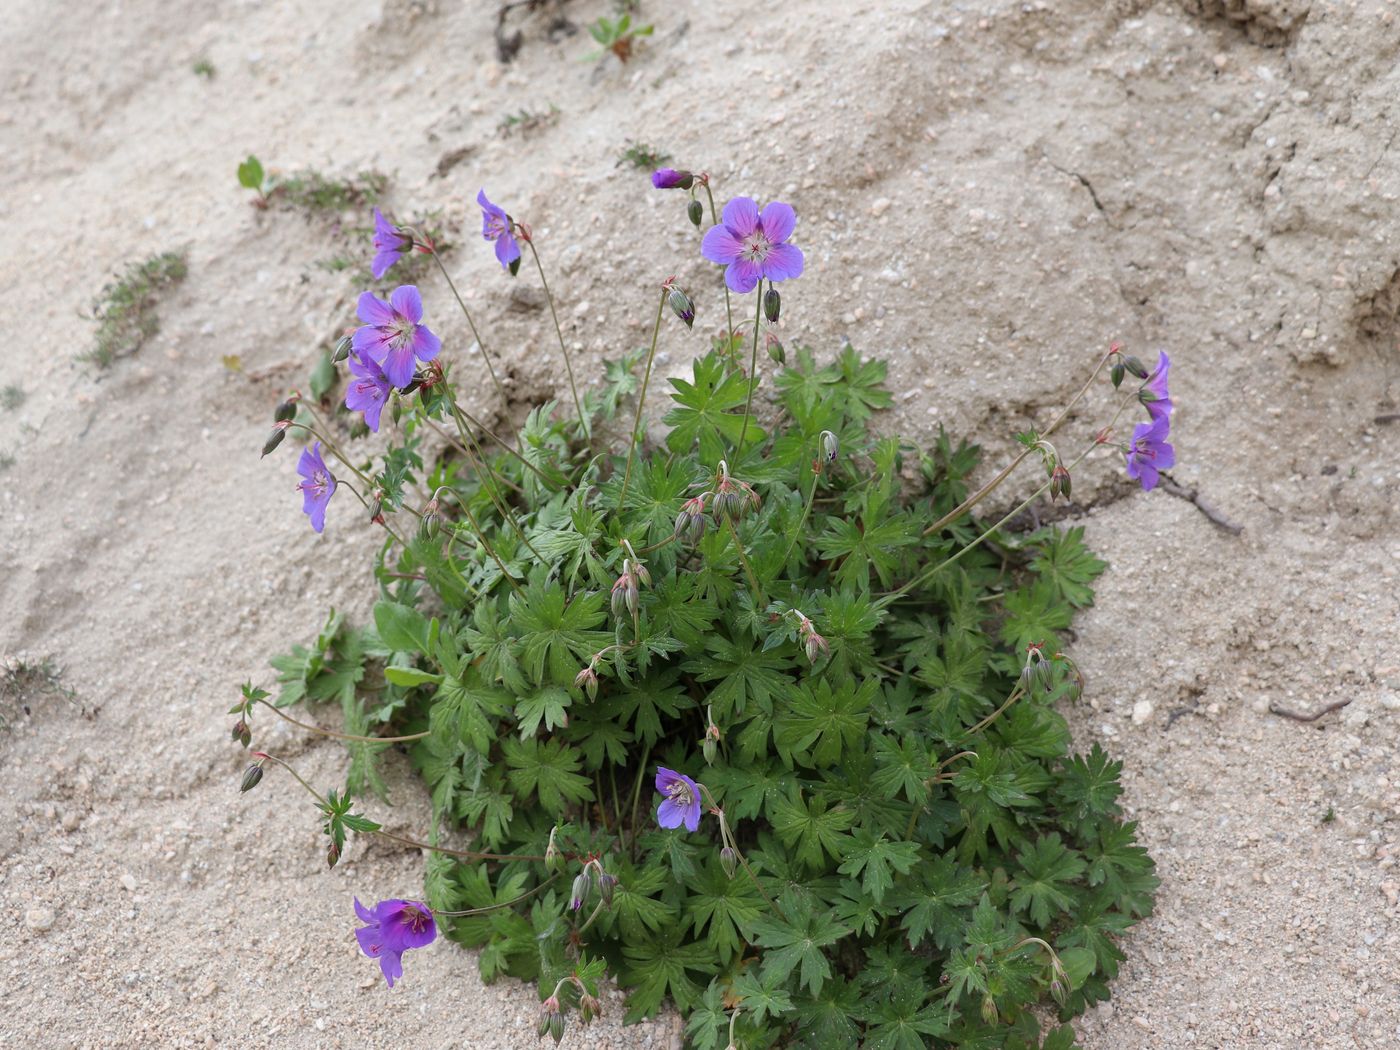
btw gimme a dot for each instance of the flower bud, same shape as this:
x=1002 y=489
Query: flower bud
x=772 y=305
x=514 y=269
x=287 y=410
x=548 y=1009
x=1134 y=366
x=342 y=350
x=1027 y=677
x=1115 y=372
x=589 y=1007
x=1059 y=482
x=242 y=733
x=728 y=860
x=695 y=212
x=579 y=894
x=775 y=349
x=989 y=1010
x=606 y=885
x=682 y=307
x=587 y=680
x=831 y=446
x=251 y=776
x=556 y=1019
x=1044 y=675
x=708 y=748
x=274 y=439
x=625 y=596
x=1058 y=992
x=332 y=855
x=671 y=179
x=815 y=646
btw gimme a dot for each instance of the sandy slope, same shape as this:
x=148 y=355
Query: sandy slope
x=988 y=193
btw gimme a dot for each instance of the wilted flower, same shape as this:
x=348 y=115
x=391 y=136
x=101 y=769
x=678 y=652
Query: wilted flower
x=392 y=335
x=496 y=226
x=394 y=927
x=369 y=391
x=1150 y=453
x=389 y=243
x=317 y=486
x=681 y=804
x=671 y=179
x=754 y=247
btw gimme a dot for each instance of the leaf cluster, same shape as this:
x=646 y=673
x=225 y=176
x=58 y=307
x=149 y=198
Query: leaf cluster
x=922 y=862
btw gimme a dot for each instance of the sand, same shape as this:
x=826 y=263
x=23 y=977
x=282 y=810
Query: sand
x=988 y=193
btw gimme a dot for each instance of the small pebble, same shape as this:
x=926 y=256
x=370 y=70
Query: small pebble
x=39 y=919
x=128 y=882
x=1142 y=712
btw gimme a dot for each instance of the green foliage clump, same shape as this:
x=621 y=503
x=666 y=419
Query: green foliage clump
x=643 y=156
x=125 y=310
x=616 y=35
x=909 y=853
x=311 y=191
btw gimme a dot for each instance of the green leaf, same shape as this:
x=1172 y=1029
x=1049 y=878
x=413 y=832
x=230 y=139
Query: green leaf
x=250 y=173
x=322 y=376
x=659 y=966
x=555 y=636
x=879 y=859
x=763 y=996
x=703 y=410
x=825 y=720
x=1065 y=563
x=410 y=676
x=795 y=943
x=549 y=769
x=940 y=904
x=549 y=705
x=1044 y=885
x=810 y=826
x=401 y=628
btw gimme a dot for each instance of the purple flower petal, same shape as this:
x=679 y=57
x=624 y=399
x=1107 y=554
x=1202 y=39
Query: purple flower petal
x=398 y=364
x=742 y=275
x=370 y=942
x=670 y=815
x=407 y=303
x=374 y=310
x=384 y=260
x=784 y=262
x=778 y=221
x=364 y=913
x=720 y=246
x=507 y=250
x=741 y=216
x=391 y=965
x=371 y=342
x=425 y=344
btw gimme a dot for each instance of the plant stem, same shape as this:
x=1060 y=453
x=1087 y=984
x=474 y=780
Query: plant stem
x=641 y=401
x=472 y=325
x=972 y=501
x=748 y=569
x=637 y=793
x=753 y=372
x=488 y=479
x=802 y=522
x=487 y=544
x=341 y=736
x=728 y=310
x=568 y=364
x=544 y=479
x=495 y=907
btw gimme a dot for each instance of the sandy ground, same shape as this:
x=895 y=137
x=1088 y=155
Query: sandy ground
x=988 y=191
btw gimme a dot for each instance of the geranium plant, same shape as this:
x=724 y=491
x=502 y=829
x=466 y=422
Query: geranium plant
x=760 y=720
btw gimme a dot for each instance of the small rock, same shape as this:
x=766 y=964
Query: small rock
x=880 y=206
x=128 y=882
x=39 y=919
x=1142 y=712
x=71 y=819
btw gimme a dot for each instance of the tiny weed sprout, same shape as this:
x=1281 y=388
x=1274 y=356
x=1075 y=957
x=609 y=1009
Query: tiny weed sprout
x=526 y=121
x=126 y=310
x=640 y=155
x=616 y=35
x=204 y=68
x=749 y=711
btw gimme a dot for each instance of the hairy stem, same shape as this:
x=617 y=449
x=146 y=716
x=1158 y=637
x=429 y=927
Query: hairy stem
x=753 y=372
x=470 y=324
x=641 y=401
x=728 y=310
x=341 y=736
x=568 y=363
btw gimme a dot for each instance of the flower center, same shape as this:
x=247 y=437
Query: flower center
x=679 y=793
x=415 y=920
x=316 y=484
x=402 y=329
x=756 y=247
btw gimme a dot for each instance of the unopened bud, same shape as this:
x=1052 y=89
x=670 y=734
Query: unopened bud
x=274 y=439
x=242 y=733
x=815 y=646
x=287 y=410
x=695 y=212
x=251 y=776
x=556 y=1020
x=682 y=307
x=831 y=446
x=396 y=409
x=587 y=680
x=671 y=179
x=515 y=269
x=775 y=349
x=625 y=596
x=709 y=750
x=548 y=1009
x=1044 y=675
x=589 y=1007
x=606 y=885
x=1027 y=677
x=989 y=1010
x=729 y=860
x=332 y=855
x=772 y=305
x=1134 y=366
x=552 y=857
x=582 y=885
x=1059 y=482
x=342 y=350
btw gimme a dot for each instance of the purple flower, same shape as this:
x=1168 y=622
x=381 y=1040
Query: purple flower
x=394 y=927
x=753 y=246
x=682 y=802
x=391 y=335
x=369 y=391
x=1161 y=405
x=671 y=179
x=1150 y=453
x=389 y=244
x=317 y=486
x=495 y=226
